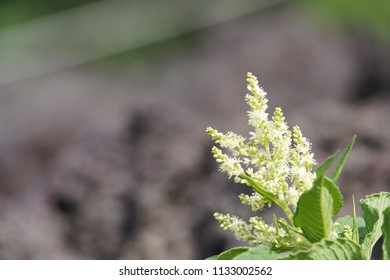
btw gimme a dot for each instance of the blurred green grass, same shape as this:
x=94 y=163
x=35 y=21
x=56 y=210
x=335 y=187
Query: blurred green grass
x=14 y=12
x=368 y=16
x=359 y=17
x=115 y=29
x=64 y=35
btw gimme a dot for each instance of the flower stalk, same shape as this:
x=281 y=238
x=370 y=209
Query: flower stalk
x=277 y=164
x=275 y=161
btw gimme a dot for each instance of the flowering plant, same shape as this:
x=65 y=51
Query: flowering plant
x=277 y=163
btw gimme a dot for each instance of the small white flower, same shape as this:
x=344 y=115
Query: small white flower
x=277 y=159
x=256 y=117
x=292 y=196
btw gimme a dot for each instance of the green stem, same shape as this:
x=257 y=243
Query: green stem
x=282 y=204
x=303 y=243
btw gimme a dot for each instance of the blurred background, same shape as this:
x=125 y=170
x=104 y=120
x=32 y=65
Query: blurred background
x=104 y=105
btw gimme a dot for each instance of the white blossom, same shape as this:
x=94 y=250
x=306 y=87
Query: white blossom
x=276 y=158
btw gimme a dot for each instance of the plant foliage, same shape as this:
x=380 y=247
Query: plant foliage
x=276 y=163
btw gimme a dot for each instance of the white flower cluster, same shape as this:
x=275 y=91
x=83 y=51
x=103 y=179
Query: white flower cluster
x=277 y=159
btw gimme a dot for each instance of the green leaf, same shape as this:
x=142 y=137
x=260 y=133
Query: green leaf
x=386 y=234
x=270 y=196
x=342 y=160
x=339 y=249
x=316 y=208
x=231 y=253
x=355 y=230
x=259 y=189
x=323 y=167
x=372 y=209
x=348 y=220
x=261 y=252
x=338 y=200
